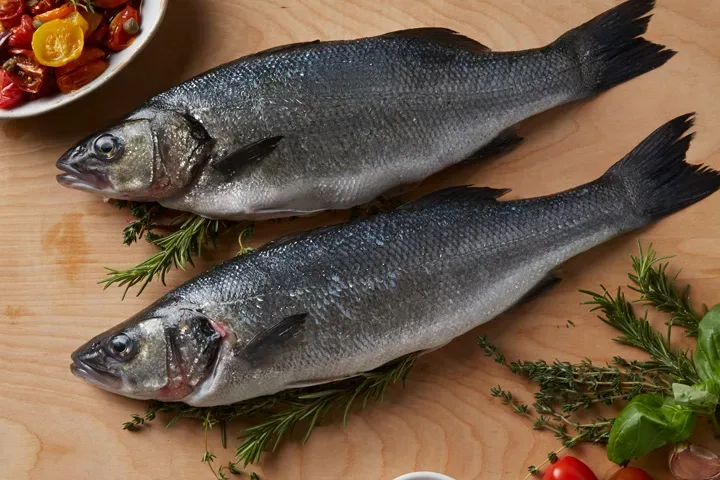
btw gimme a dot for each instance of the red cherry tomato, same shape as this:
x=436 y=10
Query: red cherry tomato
x=119 y=37
x=630 y=473
x=21 y=36
x=569 y=468
x=10 y=12
x=10 y=94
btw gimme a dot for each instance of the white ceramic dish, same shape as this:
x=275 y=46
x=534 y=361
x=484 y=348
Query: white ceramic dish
x=424 y=476
x=152 y=13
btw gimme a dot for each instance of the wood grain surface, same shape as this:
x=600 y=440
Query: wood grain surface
x=55 y=242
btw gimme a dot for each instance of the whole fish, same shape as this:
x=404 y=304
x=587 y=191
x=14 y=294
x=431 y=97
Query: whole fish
x=330 y=125
x=335 y=302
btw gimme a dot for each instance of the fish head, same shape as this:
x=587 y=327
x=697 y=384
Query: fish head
x=154 y=355
x=146 y=158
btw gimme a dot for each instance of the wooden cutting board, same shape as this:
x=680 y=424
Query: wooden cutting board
x=55 y=243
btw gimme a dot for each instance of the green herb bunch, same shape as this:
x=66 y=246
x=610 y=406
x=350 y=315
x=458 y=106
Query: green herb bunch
x=662 y=396
x=275 y=417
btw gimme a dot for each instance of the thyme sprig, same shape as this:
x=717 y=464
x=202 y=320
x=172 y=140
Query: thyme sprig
x=281 y=413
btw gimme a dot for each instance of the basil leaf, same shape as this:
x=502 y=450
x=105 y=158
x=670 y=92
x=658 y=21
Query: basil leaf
x=648 y=422
x=697 y=397
x=707 y=352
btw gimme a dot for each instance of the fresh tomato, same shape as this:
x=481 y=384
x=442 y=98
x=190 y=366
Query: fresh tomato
x=25 y=72
x=98 y=37
x=10 y=12
x=123 y=29
x=62 y=11
x=630 y=473
x=58 y=42
x=569 y=468
x=110 y=3
x=10 y=94
x=81 y=76
x=21 y=36
x=90 y=54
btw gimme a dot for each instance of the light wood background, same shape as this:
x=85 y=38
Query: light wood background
x=54 y=243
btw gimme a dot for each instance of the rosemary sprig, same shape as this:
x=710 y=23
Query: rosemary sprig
x=177 y=249
x=637 y=332
x=144 y=214
x=282 y=412
x=659 y=290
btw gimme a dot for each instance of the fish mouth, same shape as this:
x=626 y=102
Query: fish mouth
x=74 y=178
x=106 y=381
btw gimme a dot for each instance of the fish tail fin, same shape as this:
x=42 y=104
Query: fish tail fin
x=609 y=48
x=654 y=177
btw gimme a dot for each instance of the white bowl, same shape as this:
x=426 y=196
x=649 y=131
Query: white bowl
x=152 y=13
x=424 y=476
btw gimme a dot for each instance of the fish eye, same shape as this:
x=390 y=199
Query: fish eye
x=108 y=146
x=121 y=346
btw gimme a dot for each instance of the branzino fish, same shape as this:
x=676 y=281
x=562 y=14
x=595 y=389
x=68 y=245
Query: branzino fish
x=330 y=125
x=331 y=303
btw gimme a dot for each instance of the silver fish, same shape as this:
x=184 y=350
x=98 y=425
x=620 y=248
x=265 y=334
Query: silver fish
x=330 y=125
x=332 y=303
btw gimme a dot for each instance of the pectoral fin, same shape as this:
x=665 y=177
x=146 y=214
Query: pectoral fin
x=268 y=343
x=237 y=159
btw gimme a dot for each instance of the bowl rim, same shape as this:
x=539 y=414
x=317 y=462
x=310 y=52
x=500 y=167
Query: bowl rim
x=66 y=99
x=423 y=476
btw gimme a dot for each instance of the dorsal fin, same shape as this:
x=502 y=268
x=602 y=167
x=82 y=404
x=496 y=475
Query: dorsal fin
x=463 y=193
x=290 y=47
x=442 y=36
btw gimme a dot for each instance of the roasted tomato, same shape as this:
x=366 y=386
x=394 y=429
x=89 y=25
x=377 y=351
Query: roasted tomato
x=123 y=29
x=10 y=94
x=82 y=76
x=94 y=20
x=99 y=36
x=25 y=71
x=21 y=36
x=88 y=55
x=44 y=6
x=10 y=12
x=58 y=42
x=56 y=13
x=569 y=468
x=110 y=3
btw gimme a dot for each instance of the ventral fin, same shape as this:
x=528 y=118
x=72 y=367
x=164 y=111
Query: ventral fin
x=237 y=159
x=442 y=36
x=265 y=345
x=464 y=193
x=545 y=285
x=317 y=381
x=506 y=141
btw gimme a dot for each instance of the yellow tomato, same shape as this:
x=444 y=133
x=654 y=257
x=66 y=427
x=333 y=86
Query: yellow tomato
x=58 y=42
x=78 y=20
